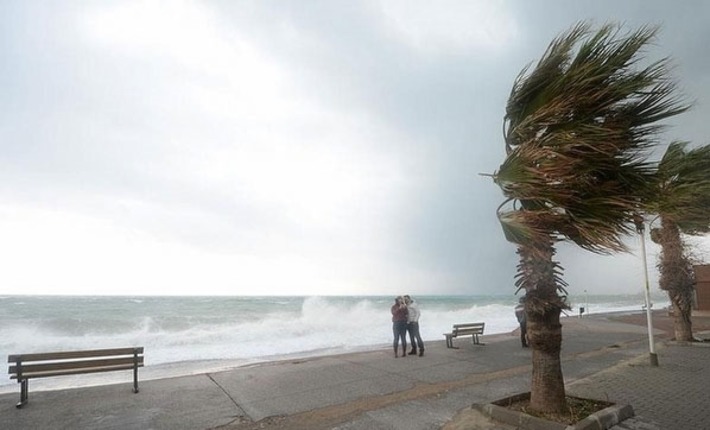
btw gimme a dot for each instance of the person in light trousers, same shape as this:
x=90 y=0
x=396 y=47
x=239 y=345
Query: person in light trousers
x=413 y=326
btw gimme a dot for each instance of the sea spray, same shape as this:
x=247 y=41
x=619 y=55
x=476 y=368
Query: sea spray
x=188 y=334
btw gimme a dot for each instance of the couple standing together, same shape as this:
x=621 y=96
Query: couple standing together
x=405 y=318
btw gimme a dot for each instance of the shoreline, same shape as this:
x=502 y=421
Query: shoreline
x=663 y=326
x=371 y=389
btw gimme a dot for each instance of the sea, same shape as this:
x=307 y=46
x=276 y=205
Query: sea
x=190 y=335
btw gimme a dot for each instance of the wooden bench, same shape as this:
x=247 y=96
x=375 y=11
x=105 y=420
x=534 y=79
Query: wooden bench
x=469 y=329
x=42 y=365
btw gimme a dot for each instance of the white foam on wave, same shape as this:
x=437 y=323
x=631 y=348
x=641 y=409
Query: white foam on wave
x=320 y=325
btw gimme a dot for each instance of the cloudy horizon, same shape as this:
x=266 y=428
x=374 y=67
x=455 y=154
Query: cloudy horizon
x=265 y=148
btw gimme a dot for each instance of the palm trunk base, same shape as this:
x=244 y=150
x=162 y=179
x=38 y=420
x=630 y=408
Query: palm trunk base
x=547 y=392
x=682 y=324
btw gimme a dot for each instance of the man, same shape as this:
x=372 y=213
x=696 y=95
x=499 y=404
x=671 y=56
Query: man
x=413 y=326
x=522 y=320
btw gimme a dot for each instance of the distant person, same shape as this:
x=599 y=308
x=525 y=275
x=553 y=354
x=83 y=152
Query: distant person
x=522 y=320
x=399 y=325
x=413 y=326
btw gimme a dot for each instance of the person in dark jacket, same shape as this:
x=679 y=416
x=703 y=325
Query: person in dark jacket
x=522 y=320
x=399 y=325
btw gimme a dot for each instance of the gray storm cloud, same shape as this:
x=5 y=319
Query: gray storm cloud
x=305 y=148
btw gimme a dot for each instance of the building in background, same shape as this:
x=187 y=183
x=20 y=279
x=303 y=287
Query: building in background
x=702 y=287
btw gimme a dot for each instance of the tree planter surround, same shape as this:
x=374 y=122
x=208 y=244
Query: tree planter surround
x=600 y=420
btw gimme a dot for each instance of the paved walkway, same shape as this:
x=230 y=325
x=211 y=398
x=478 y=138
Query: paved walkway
x=372 y=390
x=673 y=395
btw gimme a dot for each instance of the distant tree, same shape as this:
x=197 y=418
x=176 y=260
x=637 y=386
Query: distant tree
x=577 y=129
x=682 y=202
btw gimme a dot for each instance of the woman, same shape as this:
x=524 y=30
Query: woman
x=399 y=325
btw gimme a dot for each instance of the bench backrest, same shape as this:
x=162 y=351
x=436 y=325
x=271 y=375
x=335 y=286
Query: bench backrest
x=73 y=362
x=469 y=328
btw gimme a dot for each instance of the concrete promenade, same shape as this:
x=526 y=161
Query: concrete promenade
x=602 y=358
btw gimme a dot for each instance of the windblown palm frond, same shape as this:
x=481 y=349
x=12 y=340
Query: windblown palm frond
x=683 y=188
x=578 y=128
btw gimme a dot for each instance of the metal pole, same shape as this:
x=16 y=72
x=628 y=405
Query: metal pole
x=649 y=320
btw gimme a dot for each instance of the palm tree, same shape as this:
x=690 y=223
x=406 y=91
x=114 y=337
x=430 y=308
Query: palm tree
x=577 y=129
x=682 y=202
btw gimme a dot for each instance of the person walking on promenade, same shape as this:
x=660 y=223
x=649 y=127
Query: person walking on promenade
x=522 y=320
x=413 y=326
x=399 y=325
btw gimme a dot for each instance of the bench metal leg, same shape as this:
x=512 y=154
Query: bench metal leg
x=135 y=371
x=135 y=380
x=23 y=393
x=450 y=341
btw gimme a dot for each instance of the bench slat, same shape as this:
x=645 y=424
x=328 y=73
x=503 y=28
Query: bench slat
x=469 y=325
x=466 y=332
x=45 y=356
x=75 y=364
x=74 y=371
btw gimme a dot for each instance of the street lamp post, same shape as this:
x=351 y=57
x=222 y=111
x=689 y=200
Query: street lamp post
x=649 y=320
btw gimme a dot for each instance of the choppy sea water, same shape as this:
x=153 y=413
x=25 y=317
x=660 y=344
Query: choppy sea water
x=184 y=335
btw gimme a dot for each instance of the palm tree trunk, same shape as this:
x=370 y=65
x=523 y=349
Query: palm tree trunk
x=537 y=275
x=676 y=279
x=682 y=324
x=547 y=393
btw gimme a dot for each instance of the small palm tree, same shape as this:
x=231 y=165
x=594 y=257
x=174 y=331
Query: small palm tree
x=682 y=202
x=577 y=129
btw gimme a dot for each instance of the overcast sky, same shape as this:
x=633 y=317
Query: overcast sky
x=273 y=147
